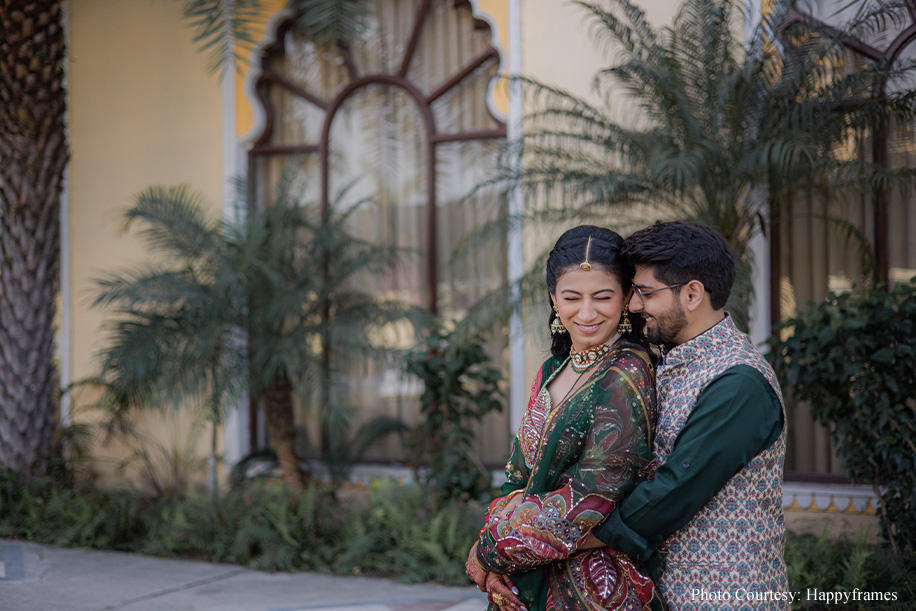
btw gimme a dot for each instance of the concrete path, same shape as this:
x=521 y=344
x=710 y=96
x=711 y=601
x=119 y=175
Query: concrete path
x=41 y=578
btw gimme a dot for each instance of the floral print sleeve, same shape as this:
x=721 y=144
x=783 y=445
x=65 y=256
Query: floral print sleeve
x=596 y=446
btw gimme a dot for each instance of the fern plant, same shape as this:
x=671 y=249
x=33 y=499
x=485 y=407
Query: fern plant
x=818 y=564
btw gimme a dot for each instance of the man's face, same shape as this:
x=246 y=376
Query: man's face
x=661 y=309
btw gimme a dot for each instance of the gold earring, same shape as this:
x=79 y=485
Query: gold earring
x=624 y=326
x=556 y=327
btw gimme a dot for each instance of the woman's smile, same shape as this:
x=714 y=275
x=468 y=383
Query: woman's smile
x=588 y=328
x=589 y=304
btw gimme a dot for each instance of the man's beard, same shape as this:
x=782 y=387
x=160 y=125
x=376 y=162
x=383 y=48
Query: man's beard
x=667 y=326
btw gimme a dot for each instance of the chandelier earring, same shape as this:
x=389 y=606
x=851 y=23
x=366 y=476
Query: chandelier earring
x=624 y=326
x=556 y=327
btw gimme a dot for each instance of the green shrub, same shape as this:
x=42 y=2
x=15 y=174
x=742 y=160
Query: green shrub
x=41 y=510
x=390 y=530
x=460 y=387
x=401 y=530
x=854 y=358
x=841 y=565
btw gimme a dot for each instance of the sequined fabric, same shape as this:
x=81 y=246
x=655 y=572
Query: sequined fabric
x=574 y=462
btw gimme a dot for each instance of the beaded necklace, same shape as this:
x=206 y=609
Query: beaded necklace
x=583 y=361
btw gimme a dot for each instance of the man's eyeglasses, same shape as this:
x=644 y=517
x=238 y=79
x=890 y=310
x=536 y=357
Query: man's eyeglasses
x=643 y=294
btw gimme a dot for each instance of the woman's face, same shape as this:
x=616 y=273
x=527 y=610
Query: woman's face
x=589 y=304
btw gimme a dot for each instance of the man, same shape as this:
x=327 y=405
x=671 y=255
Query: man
x=711 y=518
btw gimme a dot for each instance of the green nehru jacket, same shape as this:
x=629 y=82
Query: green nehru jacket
x=737 y=416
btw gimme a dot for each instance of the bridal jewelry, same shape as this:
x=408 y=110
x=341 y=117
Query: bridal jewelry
x=582 y=361
x=585 y=265
x=556 y=326
x=625 y=326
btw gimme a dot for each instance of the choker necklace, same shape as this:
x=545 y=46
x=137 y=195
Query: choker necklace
x=582 y=361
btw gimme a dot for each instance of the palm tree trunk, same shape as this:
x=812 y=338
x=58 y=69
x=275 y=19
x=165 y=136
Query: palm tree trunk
x=33 y=156
x=278 y=405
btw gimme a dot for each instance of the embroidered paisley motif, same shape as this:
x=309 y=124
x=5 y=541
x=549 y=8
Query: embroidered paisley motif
x=573 y=465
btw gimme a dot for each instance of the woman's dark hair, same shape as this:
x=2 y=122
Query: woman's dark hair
x=603 y=254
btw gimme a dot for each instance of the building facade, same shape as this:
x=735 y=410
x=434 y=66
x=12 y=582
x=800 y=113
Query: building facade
x=412 y=113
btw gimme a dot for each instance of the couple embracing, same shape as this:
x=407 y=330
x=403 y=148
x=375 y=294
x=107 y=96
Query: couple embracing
x=635 y=484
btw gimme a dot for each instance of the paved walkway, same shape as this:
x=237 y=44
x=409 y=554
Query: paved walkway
x=41 y=578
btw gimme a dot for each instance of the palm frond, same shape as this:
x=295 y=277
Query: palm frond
x=727 y=126
x=224 y=29
x=328 y=22
x=172 y=222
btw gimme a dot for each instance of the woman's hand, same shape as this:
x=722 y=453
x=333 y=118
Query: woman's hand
x=474 y=571
x=503 y=592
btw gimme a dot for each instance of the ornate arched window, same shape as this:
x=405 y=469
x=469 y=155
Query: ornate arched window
x=888 y=218
x=401 y=115
x=809 y=255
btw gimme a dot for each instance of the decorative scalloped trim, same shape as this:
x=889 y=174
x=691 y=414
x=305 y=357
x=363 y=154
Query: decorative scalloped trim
x=259 y=116
x=496 y=43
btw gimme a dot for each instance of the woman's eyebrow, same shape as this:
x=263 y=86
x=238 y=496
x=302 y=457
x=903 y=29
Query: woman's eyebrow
x=607 y=290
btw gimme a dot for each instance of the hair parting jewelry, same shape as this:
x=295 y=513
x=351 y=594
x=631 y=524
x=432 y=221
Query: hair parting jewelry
x=556 y=327
x=585 y=265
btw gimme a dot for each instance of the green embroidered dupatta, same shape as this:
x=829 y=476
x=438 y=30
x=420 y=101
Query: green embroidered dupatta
x=573 y=462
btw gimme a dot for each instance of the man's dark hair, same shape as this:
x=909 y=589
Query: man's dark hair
x=680 y=252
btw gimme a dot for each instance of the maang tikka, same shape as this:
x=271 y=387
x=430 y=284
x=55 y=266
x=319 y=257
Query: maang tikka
x=585 y=265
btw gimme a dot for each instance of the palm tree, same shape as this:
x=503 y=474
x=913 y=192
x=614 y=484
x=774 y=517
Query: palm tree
x=33 y=155
x=33 y=158
x=267 y=306
x=729 y=128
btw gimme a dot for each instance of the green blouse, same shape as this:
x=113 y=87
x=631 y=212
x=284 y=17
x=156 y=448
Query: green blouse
x=737 y=416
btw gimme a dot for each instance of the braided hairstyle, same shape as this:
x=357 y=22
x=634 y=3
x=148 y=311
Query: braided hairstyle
x=604 y=254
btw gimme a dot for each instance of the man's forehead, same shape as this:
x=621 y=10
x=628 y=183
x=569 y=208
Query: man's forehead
x=645 y=275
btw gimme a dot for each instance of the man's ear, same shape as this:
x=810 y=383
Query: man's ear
x=693 y=294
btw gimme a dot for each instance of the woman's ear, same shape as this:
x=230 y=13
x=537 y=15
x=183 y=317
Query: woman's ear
x=693 y=293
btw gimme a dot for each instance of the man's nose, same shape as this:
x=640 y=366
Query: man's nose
x=635 y=302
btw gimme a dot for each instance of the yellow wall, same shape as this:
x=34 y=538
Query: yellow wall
x=142 y=111
x=559 y=47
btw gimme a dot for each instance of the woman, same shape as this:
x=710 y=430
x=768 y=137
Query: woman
x=584 y=442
